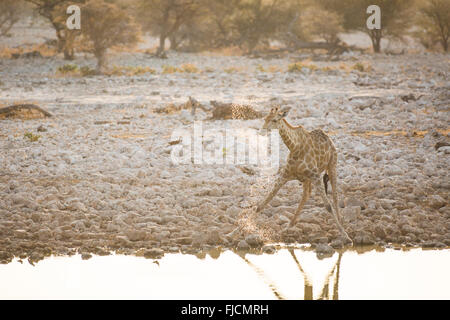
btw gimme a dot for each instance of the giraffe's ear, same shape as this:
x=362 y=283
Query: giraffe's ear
x=284 y=111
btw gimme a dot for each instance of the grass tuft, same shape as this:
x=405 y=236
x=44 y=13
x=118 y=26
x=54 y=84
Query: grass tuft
x=32 y=137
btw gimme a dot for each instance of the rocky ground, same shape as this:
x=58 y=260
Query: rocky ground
x=98 y=176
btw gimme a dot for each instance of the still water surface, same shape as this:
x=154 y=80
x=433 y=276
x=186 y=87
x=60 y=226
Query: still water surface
x=286 y=274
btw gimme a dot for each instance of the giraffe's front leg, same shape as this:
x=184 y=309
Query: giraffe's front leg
x=281 y=181
x=305 y=197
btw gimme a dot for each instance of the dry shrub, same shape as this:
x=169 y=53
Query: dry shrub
x=130 y=71
x=189 y=68
x=233 y=69
x=68 y=69
x=184 y=68
x=40 y=49
x=169 y=69
x=362 y=67
x=23 y=111
x=300 y=66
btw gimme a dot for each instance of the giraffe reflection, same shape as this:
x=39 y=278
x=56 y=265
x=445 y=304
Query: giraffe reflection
x=308 y=284
x=267 y=280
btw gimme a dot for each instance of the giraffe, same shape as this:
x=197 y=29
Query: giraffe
x=311 y=153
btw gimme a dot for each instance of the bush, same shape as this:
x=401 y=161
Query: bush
x=86 y=71
x=130 y=71
x=169 y=69
x=359 y=66
x=32 y=137
x=189 y=68
x=68 y=68
x=299 y=66
x=231 y=70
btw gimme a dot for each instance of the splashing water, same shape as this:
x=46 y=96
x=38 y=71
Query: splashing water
x=247 y=218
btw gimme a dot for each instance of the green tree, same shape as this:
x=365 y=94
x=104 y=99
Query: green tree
x=258 y=20
x=10 y=11
x=104 y=25
x=55 y=12
x=164 y=18
x=434 y=23
x=316 y=22
x=396 y=16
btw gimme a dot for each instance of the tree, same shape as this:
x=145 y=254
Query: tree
x=9 y=15
x=164 y=18
x=55 y=12
x=104 y=25
x=434 y=23
x=395 y=17
x=212 y=26
x=258 y=20
x=220 y=22
x=316 y=22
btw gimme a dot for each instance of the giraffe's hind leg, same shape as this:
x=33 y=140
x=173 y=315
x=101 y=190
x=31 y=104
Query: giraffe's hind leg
x=334 y=192
x=321 y=190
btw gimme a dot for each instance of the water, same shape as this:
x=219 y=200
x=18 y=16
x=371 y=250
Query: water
x=286 y=274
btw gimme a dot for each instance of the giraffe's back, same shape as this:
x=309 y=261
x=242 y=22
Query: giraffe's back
x=323 y=147
x=313 y=156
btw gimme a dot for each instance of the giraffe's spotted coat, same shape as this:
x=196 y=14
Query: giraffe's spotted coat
x=311 y=154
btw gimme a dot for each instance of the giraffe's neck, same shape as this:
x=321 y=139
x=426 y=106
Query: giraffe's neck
x=292 y=136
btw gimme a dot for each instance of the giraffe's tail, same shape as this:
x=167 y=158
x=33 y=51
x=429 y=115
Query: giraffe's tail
x=325 y=182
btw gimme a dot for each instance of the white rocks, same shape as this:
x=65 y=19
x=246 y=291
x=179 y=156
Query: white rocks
x=436 y=201
x=445 y=150
x=215 y=192
x=136 y=235
x=309 y=217
x=324 y=248
x=154 y=253
x=163 y=235
x=76 y=205
x=393 y=170
x=282 y=219
x=254 y=240
x=333 y=123
x=79 y=226
x=351 y=213
x=354 y=202
x=186 y=115
x=213 y=236
x=233 y=211
x=243 y=245
x=44 y=234
x=21 y=234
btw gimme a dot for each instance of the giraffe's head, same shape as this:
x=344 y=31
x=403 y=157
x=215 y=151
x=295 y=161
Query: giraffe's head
x=274 y=117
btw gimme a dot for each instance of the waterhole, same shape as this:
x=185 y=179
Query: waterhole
x=288 y=273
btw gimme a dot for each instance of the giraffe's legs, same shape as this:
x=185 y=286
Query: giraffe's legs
x=321 y=190
x=305 y=197
x=281 y=181
x=333 y=181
